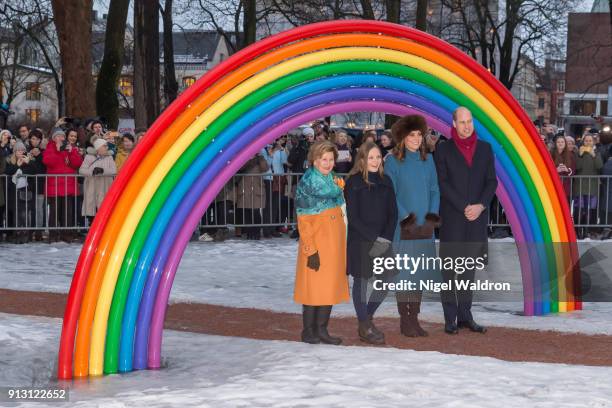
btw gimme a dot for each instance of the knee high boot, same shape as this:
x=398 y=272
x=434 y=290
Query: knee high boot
x=323 y=313
x=407 y=327
x=309 y=320
x=414 y=308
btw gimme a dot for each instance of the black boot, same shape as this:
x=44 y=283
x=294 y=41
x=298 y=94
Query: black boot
x=450 y=328
x=323 y=313
x=374 y=328
x=473 y=326
x=309 y=319
x=367 y=334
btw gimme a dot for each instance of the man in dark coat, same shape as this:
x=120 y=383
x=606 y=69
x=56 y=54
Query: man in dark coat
x=466 y=175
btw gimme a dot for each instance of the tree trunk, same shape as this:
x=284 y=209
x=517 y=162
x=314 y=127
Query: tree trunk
x=421 y=17
x=249 y=22
x=170 y=83
x=107 y=103
x=146 y=62
x=393 y=11
x=75 y=54
x=368 y=11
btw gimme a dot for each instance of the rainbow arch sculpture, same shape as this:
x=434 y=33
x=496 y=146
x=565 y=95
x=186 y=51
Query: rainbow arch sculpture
x=123 y=277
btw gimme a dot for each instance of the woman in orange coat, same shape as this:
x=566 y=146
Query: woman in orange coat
x=320 y=279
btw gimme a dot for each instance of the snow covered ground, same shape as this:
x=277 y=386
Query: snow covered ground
x=260 y=274
x=213 y=371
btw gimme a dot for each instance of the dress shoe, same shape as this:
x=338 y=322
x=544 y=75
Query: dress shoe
x=451 y=328
x=473 y=326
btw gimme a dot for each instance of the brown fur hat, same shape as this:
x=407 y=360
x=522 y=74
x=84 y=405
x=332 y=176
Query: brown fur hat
x=407 y=124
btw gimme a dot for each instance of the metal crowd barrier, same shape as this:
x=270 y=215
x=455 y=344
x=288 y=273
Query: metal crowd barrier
x=247 y=200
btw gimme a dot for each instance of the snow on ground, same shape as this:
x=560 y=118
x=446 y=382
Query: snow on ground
x=260 y=274
x=214 y=371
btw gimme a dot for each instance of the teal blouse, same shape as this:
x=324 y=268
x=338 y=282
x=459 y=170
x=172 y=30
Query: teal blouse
x=316 y=193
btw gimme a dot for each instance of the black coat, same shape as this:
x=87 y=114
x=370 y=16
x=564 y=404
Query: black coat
x=462 y=185
x=372 y=212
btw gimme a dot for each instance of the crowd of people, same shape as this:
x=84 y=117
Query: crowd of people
x=580 y=162
x=57 y=179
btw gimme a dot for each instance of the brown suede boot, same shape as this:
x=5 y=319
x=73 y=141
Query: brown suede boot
x=407 y=326
x=413 y=316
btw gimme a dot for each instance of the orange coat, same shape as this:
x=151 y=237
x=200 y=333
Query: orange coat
x=326 y=233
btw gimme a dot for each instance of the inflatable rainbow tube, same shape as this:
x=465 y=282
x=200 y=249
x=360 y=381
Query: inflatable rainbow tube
x=124 y=274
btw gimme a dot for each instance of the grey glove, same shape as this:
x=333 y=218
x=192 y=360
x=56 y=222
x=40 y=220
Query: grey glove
x=380 y=246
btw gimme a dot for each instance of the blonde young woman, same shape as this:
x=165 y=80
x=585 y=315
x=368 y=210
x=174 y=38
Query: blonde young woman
x=372 y=216
x=320 y=279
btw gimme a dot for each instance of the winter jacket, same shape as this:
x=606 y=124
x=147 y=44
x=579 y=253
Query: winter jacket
x=322 y=231
x=587 y=165
x=417 y=192
x=251 y=192
x=96 y=187
x=38 y=168
x=61 y=162
x=121 y=158
x=343 y=166
x=371 y=211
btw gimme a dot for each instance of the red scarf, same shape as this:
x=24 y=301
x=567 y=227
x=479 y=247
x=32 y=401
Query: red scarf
x=466 y=146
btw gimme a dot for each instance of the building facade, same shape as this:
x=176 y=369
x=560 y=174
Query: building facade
x=588 y=77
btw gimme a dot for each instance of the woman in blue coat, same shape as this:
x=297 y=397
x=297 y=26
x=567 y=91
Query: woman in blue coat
x=413 y=173
x=372 y=216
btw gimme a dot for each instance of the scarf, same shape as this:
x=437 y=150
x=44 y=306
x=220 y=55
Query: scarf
x=466 y=146
x=316 y=193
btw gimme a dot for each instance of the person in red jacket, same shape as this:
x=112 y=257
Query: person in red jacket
x=61 y=158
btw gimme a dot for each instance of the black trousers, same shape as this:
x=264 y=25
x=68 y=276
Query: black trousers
x=61 y=211
x=457 y=302
x=267 y=211
x=250 y=216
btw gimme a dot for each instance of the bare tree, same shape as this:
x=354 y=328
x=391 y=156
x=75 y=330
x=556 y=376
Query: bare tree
x=11 y=76
x=35 y=19
x=107 y=103
x=235 y=20
x=499 y=36
x=146 y=62
x=170 y=83
x=75 y=54
x=311 y=11
x=421 y=15
x=393 y=10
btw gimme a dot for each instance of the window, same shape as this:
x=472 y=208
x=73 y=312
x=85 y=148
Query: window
x=561 y=85
x=125 y=86
x=582 y=107
x=188 y=81
x=540 y=103
x=603 y=108
x=33 y=91
x=33 y=115
x=560 y=104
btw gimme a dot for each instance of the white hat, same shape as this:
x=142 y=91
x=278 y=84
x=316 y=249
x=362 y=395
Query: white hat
x=308 y=131
x=98 y=143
